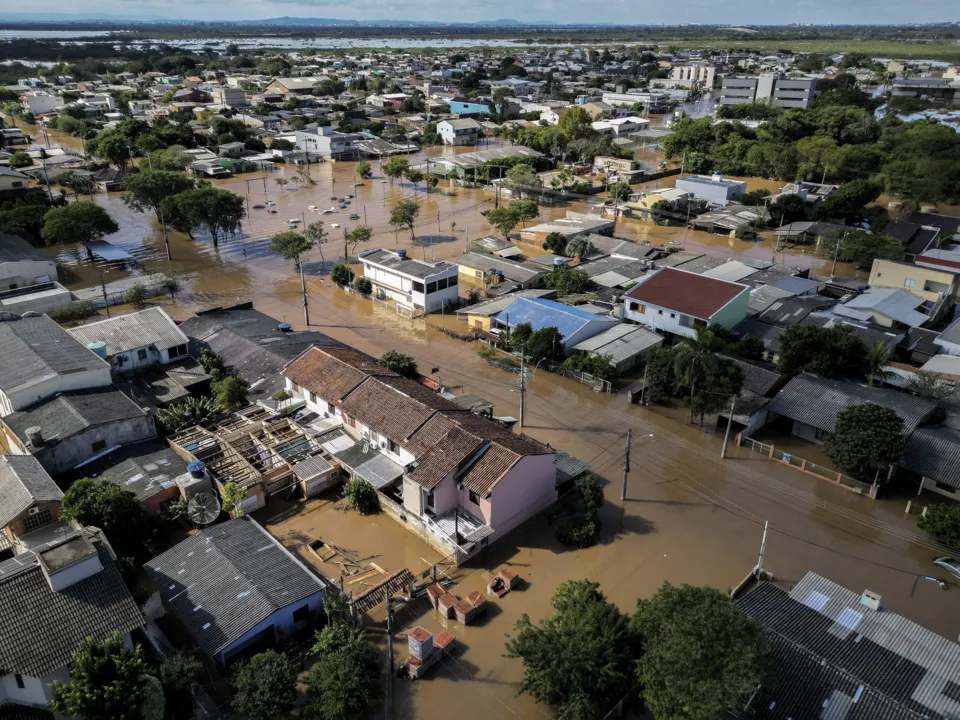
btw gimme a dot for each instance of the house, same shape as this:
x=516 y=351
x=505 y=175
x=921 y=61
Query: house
x=40 y=298
x=233 y=586
x=886 y=307
x=38 y=358
x=29 y=499
x=287 y=86
x=573 y=323
x=327 y=143
x=680 y=302
x=466 y=106
x=712 y=188
x=250 y=344
x=944 y=260
x=148 y=469
x=620 y=127
x=465 y=131
x=13 y=183
x=229 y=96
x=65 y=588
x=931 y=457
x=949 y=339
x=70 y=428
x=415 y=284
x=622 y=344
x=915 y=239
x=39 y=102
x=22 y=264
x=466 y=164
x=841 y=654
x=808 y=405
x=570 y=226
x=480 y=314
x=495 y=270
x=136 y=340
x=458 y=480
x=932 y=285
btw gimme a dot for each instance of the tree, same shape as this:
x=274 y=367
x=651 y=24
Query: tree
x=363 y=286
x=579 y=660
x=864 y=437
x=848 y=201
x=188 y=412
x=404 y=214
x=81 y=221
x=693 y=359
x=364 y=170
x=828 y=352
x=362 y=496
x=400 y=363
x=929 y=386
x=861 y=248
x=522 y=178
x=395 y=168
x=519 y=335
x=106 y=682
x=79 y=183
x=526 y=210
x=579 y=247
x=178 y=672
x=619 y=191
x=265 y=687
x=356 y=236
x=701 y=628
x=23 y=220
x=233 y=496
x=878 y=357
x=341 y=274
x=504 y=219
x=316 y=234
x=146 y=190
x=661 y=379
x=787 y=209
x=544 y=344
x=568 y=281
x=230 y=392
x=556 y=243
x=415 y=177
x=344 y=676
x=19 y=159
x=280 y=181
x=218 y=211
x=136 y=296
x=431 y=181
x=943 y=522
x=291 y=245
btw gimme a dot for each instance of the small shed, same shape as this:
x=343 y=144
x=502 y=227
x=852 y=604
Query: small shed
x=624 y=344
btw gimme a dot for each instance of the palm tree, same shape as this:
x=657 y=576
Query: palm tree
x=877 y=359
x=694 y=357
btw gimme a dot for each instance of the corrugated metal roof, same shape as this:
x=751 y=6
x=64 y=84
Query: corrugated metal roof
x=895 y=304
x=379 y=471
x=733 y=271
x=620 y=342
x=934 y=453
x=136 y=330
x=540 y=313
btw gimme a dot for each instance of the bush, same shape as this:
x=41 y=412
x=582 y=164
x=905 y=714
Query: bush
x=363 y=286
x=943 y=522
x=487 y=352
x=73 y=312
x=136 y=296
x=580 y=526
x=341 y=274
x=400 y=363
x=362 y=496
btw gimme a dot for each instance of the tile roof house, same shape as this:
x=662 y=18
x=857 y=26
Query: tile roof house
x=51 y=598
x=142 y=338
x=842 y=655
x=233 y=585
x=679 y=302
x=460 y=478
x=29 y=498
x=38 y=358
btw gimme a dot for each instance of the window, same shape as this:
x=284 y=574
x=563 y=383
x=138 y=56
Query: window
x=417 y=286
x=19 y=679
x=659 y=312
x=453 y=282
x=393 y=447
x=673 y=315
x=431 y=288
x=177 y=351
x=638 y=307
x=428 y=502
x=909 y=283
x=98 y=445
x=142 y=354
x=820 y=434
x=311 y=397
x=296 y=388
x=474 y=498
x=38 y=519
x=301 y=613
x=478 y=273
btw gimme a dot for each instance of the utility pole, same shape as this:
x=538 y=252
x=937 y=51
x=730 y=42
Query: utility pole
x=643 y=388
x=303 y=289
x=626 y=464
x=726 y=435
x=389 y=695
x=523 y=385
x=763 y=547
x=836 y=254
x=166 y=240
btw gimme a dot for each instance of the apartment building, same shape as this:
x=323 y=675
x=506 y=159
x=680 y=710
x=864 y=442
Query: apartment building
x=690 y=75
x=768 y=88
x=417 y=284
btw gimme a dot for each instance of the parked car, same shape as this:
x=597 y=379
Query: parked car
x=259 y=207
x=951 y=565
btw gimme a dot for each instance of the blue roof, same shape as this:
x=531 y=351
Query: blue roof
x=540 y=313
x=710 y=181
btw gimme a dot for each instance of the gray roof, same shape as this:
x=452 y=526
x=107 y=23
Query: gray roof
x=145 y=468
x=136 y=330
x=796 y=285
x=23 y=482
x=870 y=334
x=898 y=305
x=511 y=270
x=769 y=334
x=816 y=401
x=758 y=377
x=951 y=334
x=41 y=628
x=14 y=248
x=621 y=342
x=406 y=265
x=67 y=414
x=34 y=348
x=865 y=664
x=226 y=579
x=469 y=161
x=934 y=453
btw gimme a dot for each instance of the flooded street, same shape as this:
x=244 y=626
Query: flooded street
x=689 y=517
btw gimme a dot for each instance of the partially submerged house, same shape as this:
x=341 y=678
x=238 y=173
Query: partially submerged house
x=148 y=469
x=574 y=324
x=22 y=264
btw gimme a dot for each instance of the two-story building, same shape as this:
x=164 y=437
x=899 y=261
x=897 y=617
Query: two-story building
x=327 y=143
x=458 y=480
x=937 y=287
x=29 y=500
x=417 y=284
x=465 y=131
x=148 y=337
x=680 y=302
x=466 y=106
x=22 y=264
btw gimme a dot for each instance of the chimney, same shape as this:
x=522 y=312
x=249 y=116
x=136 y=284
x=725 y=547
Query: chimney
x=35 y=436
x=870 y=600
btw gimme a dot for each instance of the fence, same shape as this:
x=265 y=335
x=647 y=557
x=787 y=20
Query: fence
x=808 y=467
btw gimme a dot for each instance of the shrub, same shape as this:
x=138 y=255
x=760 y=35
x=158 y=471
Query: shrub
x=136 y=296
x=73 y=312
x=363 y=286
x=943 y=522
x=362 y=496
x=487 y=352
x=341 y=274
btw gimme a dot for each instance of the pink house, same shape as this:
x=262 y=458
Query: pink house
x=459 y=480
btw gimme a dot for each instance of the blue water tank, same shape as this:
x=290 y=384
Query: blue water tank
x=284 y=327
x=196 y=469
x=401 y=254
x=98 y=348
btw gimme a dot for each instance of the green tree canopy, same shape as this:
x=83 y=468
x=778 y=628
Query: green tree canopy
x=216 y=210
x=116 y=511
x=81 y=221
x=544 y=344
x=828 y=352
x=942 y=520
x=395 y=168
x=404 y=215
x=522 y=179
x=399 y=362
x=23 y=220
x=290 y=245
x=556 y=243
x=864 y=437
x=265 y=687
x=344 y=676
x=147 y=189
x=568 y=281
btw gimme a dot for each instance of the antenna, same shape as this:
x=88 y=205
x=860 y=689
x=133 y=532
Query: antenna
x=203 y=508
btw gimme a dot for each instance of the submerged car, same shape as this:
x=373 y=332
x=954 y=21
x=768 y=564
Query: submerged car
x=951 y=565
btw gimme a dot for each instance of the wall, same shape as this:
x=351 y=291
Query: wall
x=734 y=312
x=36 y=691
x=528 y=487
x=26 y=272
x=445 y=495
x=131 y=359
x=18 y=527
x=411 y=497
x=72 y=451
x=58 y=384
x=928 y=283
x=659 y=318
x=281 y=621
x=807 y=432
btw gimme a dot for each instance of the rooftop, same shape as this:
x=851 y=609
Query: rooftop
x=404 y=264
x=136 y=330
x=511 y=269
x=709 y=180
x=691 y=294
x=14 y=248
x=540 y=313
x=23 y=483
x=145 y=468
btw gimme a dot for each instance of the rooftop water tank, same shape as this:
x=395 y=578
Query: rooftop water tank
x=98 y=348
x=401 y=254
x=284 y=327
x=196 y=469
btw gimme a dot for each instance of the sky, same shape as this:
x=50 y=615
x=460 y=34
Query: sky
x=561 y=11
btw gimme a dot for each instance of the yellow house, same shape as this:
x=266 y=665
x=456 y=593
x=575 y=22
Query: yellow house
x=493 y=270
x=644 y=204
x=925 y=283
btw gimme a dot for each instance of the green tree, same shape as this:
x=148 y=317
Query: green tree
x=345 y=675
x=580 y=660
x=942 y=520
x=265 y=687
x=23 y=220
x=188 y=412
x=233 y=496
x=693 y=359
x=19 y=159
x=363 y=286
x=568 y=281
x=230 y=392
x=575 y=123
x=316 y=234
x=619 y=191
x=81 y=221
x=290 y=245
x=522 y=180
x=579 y=247
x=146 y=190
x=399 y=362
x=861 y=248
x=178 y=672
x=864 y=437
x=698 y=627
x=362 y=496
x=356 y=236
x=106 y=682
x=526 y=210
x=504 y=219
x=404 y=215
x=415 y=177
x=878 y=357
x=395 y=168
x=787 y=209
x=847 y=203
x=216 y=210
x=544 y=344
x=828 y=352
x=341 y=274
x=114 y=510
x=431 y=181
x=136 y=296
x=661 y=379
x=519 y=335
x=364 y=170
x=79 y=183
x=556 y=243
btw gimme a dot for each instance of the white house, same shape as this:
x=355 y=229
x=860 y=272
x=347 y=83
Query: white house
x=427 y=286
x=22 y=264
x=39 y=102
x=680 y=302
x=326 y=142
x=465 y=131
x=148 y=337
x=621 y=127
x=12 y=182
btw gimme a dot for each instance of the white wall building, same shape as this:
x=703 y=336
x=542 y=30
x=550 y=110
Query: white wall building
x=39 y=102
x=418 y=284
x=690 y=75
x=22 y=264
x=465 y=131
x=148 y=337
x=326 y=142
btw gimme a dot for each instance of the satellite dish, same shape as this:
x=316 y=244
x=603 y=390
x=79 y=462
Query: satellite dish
x=203 y=508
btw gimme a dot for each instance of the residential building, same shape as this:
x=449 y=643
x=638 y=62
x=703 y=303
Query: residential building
x=456 y=479
x=623 y=345
x=768 y=88
x=715 y=189
x=841 y=654
x=888 y=308
x=29 y=500
x=149 y=469
x=702 y=76
x=946 y=90
x=931 y=458
x=38 y=359
x=466 y=106
x=466 y=164
x=65 y=588
x=570 y=226
x=480 y=315
x=230 y=96
x=22 y=264
x=808 y=405
x=934 y=286
x=40 y=298
x=949 y=339
x=574 y=324
x=288 y=86
x=680 y=302
x=465 y=131
x=233 y=586
x=136 y=340
x=944 y=260
x=38 y=102
x=13 y=184
x=915 y=238
x=416 y=284
x=70 y=428
x=491 y=271
x=653 y=103
x=327 y=143
x=620 y=127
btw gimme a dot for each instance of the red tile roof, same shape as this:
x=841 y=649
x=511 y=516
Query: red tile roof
x=696 y=295
x=331 y=373
x=487 y=471
x=449 y=454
